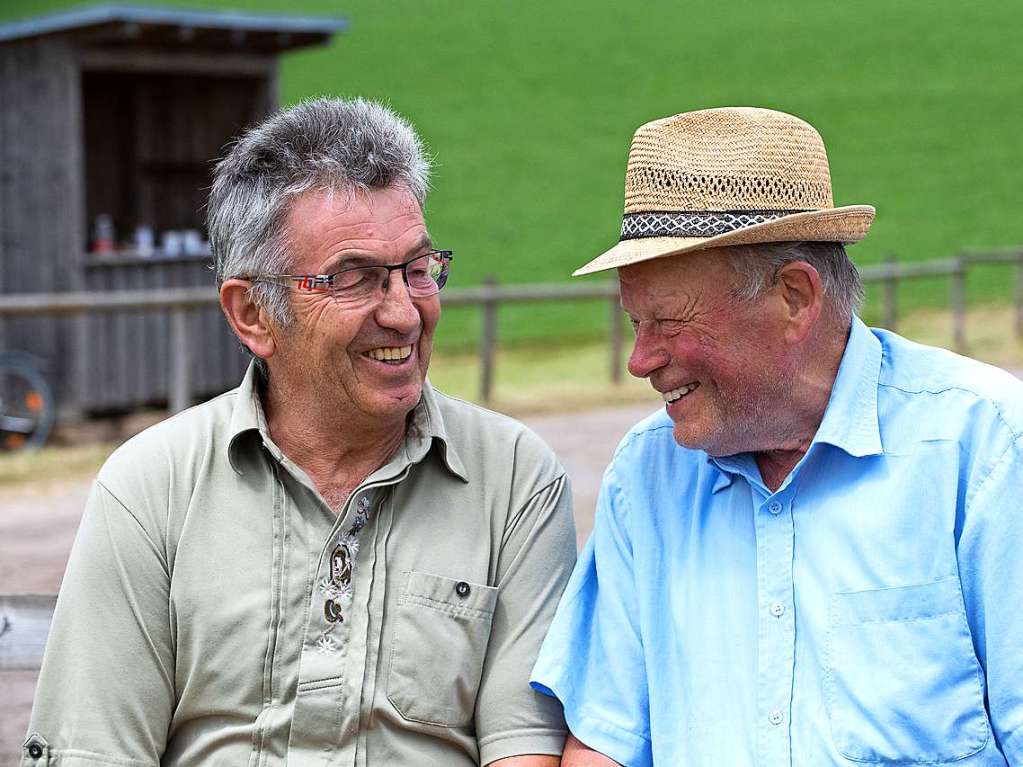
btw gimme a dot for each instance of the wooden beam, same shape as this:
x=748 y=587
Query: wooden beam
x=201 y=64
x=24 y=626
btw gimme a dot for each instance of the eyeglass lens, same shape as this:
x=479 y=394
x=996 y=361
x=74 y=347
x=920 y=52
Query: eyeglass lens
x=424 y=276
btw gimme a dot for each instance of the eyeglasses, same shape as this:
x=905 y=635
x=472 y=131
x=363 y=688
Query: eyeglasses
x=424 y=276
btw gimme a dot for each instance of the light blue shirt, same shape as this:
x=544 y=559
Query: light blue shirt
x=867 y=612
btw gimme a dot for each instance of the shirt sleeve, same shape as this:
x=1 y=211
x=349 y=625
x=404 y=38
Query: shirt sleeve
x=592 y=659
x=106 y=688
x=536 y=561
x=991 y=572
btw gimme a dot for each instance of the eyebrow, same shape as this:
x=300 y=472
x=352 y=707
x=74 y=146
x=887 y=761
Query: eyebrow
x=362 y=258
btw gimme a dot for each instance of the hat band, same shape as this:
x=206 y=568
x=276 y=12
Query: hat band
x=704 y=223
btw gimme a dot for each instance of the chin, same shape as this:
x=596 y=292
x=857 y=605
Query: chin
x=692 y=439
x=400 y=402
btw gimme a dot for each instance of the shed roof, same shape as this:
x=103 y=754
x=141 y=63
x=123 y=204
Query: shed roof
x=148 y=25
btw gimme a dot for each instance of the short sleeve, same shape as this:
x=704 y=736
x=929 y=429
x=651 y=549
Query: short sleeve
x=536 y=561
x=991 y=571
x=106 y=689
x=592 y=659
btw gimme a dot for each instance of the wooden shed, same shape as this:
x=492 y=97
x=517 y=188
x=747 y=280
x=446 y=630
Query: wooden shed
x=110 y=119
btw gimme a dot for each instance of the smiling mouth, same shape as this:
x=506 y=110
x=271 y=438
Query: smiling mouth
x=676 y=394
x=391 y=354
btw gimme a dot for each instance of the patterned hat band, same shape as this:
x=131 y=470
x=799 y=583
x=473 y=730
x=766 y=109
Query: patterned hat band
x=709 y=223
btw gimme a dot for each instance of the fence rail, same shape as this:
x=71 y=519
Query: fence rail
x=490 y=296
x=24 y=620
x=24 y=625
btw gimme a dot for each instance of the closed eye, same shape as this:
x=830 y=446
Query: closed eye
x=670 y=327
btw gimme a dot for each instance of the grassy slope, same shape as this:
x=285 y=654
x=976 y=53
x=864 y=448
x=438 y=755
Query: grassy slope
x=529 y=108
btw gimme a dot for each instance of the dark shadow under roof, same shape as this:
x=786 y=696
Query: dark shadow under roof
x=145 y=25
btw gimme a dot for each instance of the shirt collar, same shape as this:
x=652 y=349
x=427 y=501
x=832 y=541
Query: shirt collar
x=850 y=421
x=425 y=426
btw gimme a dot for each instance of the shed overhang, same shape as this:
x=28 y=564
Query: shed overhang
x=155 y=27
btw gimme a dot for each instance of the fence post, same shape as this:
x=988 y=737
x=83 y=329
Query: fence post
x=615 y=318
x=889 y=294
x=180 y=394
x=1019 y=295
x=959 y=305
x=488 y=339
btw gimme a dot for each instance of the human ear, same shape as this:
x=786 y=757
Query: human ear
x=800 y=288
x=246 y=319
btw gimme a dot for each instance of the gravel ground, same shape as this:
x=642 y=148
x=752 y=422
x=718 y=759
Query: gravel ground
x=38 y=523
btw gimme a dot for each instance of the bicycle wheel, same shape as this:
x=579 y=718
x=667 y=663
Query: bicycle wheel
x=26 y=407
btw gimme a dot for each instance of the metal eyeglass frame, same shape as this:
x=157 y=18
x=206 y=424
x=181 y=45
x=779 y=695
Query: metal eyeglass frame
x=322 y=283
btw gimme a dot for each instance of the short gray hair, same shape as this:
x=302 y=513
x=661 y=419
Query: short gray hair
x=758 y=265
x=331 y=145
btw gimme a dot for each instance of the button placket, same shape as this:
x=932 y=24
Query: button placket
x=774 y=537
x=337 y=587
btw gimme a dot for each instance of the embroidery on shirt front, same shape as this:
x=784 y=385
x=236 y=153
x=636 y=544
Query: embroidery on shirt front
x=336 y=587
x=326 y=645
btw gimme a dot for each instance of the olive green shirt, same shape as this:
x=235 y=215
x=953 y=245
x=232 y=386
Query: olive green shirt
x=202 y=622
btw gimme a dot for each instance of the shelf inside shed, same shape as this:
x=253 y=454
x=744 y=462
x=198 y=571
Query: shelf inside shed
x=151 y=141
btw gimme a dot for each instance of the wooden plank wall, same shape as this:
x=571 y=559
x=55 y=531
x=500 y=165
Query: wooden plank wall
x=41 y=196
x=139 y=145
x=151 y=140
x=131 y=350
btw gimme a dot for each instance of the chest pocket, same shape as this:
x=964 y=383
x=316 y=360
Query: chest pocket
x=902 y=681
x=440 y=641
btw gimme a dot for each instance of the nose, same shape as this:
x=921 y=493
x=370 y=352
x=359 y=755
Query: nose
x=647 y=353
x=396 y=309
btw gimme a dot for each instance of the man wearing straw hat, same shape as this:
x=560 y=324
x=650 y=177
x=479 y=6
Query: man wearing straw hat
x=811 y=555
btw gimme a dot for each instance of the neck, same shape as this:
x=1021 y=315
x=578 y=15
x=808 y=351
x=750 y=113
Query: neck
x=804 y=400
x=336 y=452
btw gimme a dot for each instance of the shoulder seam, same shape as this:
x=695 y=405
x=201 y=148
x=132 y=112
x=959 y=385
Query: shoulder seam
x=994 y=404
x=130 y=513
x=1004 y=456
x=634 y=434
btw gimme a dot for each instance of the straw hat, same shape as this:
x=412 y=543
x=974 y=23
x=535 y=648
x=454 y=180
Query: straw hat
x=730 y=176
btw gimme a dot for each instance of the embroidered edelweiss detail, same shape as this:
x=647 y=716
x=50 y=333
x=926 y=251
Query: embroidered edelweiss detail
x=328 y=589
x=350 y=542
x=326 y=645
x=339 y=592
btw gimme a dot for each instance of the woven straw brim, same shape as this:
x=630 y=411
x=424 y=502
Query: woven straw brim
x=847 y=224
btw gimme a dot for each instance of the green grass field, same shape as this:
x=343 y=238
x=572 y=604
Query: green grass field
x=529 y=107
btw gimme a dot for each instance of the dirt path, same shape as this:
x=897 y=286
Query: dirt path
x=38 y=524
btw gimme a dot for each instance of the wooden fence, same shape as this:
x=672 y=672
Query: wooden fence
x=25 y=620
x=489 y=297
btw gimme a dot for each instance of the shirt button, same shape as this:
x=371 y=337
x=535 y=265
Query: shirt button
x=777 y=609
x=776 y=717
x=35 y=751
x=774 y=508
x=462 y=589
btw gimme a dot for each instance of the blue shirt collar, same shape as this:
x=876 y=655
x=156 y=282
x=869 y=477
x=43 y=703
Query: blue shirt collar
x=850 y=420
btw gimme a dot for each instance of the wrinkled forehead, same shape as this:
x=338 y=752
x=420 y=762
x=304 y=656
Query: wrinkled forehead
x=673 y=279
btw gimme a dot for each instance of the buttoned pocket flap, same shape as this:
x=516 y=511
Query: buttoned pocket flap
x=902 y=681
x=440 y=641
x=450 y=595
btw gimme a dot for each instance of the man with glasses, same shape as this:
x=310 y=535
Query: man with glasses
x=333 y=563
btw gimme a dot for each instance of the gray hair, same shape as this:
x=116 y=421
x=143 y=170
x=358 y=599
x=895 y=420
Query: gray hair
x=330 y=145
x=758 y=265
